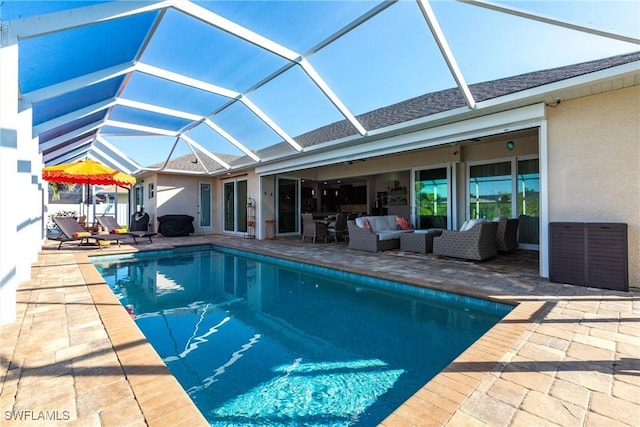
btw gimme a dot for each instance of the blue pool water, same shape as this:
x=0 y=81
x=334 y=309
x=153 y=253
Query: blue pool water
x=259 y=341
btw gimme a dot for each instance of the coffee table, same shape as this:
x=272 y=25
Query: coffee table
x=419 y=241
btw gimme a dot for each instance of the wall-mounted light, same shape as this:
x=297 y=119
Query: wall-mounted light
x=510 y=145
x=324 y=192
x=313 y=192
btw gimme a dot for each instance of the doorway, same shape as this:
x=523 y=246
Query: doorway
x=288 y=208
x=234 y=206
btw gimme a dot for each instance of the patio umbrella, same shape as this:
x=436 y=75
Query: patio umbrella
x=87 y=172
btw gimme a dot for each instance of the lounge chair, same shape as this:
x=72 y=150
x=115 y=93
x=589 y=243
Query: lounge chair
x=110 y=224
x=72 y=231
x=476 y=243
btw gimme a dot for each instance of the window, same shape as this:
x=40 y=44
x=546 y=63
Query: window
x=139 y=197
x=490 y=190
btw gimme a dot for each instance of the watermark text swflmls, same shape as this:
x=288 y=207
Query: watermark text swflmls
x=29 y=415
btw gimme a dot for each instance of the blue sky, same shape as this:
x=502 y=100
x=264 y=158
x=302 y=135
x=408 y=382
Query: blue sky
x=390 y=58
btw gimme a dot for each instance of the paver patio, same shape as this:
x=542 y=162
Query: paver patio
x=566 y=355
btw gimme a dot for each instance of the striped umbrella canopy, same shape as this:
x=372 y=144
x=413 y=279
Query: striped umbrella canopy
x=86 y=172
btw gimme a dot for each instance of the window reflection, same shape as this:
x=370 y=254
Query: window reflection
x=432 y=198
x=529 y=201
x=490 y=190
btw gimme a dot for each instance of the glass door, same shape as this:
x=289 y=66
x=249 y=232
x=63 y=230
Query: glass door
x=431 y=193
x=288 y=209
x=490 y=190
x=510 y=188
x=204 y=204
x=235 y=206
x=528 y=209
x=229 y=206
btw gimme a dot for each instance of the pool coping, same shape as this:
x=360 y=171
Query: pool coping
x=145 y=371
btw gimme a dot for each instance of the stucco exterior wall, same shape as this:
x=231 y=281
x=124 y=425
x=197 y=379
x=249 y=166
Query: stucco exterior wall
x=179 y=195
x=594 y=164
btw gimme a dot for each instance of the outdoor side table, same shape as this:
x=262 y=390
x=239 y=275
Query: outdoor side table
x=419 y=241
x=269 y=229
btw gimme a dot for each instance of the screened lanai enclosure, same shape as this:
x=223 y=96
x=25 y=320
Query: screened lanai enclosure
x=244 y=83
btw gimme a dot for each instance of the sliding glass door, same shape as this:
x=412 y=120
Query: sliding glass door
x=432 y=191
x=235 y=206
x=528 y=209
x=288 y=196
x=490 y=190
x=510 y=188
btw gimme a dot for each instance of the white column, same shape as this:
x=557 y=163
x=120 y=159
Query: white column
x=29 y=220
x=10 y=246
x=544 y=199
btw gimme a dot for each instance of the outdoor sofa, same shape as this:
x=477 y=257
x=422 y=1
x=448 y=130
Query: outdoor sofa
x=376 y=233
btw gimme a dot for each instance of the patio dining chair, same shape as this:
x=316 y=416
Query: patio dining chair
x=339 y=228
x=72 y=231
x=313 y=229
x=110 y=224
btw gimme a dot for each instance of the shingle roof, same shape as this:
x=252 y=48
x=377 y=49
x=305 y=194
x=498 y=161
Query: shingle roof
x=188 y=163
x=411 y=109
x=445 y=100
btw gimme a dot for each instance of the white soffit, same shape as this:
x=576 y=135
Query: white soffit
x=506 y=121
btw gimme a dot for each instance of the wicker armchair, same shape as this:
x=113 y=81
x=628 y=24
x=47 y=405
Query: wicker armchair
x=314 y=230
x=477 y=243
x=339 y=229
x=366 y=240
x=507 y=234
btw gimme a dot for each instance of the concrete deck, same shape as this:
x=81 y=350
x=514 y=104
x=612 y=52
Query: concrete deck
x=566 y=355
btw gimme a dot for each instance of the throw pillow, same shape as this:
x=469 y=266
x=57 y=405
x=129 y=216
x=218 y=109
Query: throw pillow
x=81 y=234
x=119 y=231
x=472 y=222
x=402 y=222
x=367 y=224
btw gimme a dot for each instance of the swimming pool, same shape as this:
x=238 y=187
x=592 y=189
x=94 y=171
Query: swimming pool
x=256 y=340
